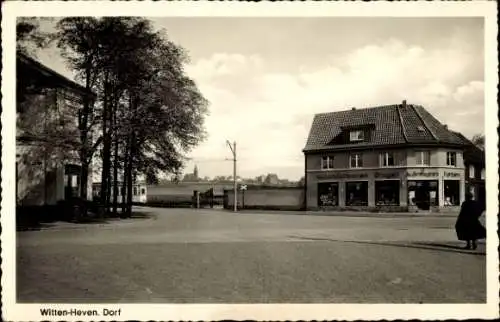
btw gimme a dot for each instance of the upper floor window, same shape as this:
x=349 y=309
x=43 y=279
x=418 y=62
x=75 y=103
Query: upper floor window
x=451 y=159
x=327 y=162
x=356 y=160
x=357 y=135
x=386 y=159
x=472 y=173
x=483 y=174
x=423 y=157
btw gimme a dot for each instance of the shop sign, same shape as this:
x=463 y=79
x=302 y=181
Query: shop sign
x=343 y=176
x=387 y=175
x=422 y=173
x=452 y=174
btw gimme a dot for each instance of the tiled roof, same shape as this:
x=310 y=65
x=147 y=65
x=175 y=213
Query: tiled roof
x=29 y=67
x=391 y=125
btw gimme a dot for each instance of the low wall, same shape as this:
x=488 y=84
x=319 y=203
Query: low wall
x=185 y=188
x=171 y=201
x=275 y=198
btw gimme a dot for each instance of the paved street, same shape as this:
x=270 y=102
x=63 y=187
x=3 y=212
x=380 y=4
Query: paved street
x=213 y=256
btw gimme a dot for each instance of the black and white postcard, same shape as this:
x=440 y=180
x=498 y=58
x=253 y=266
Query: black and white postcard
x=249 y=161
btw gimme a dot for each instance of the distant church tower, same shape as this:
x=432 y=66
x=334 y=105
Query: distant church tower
x=195 y=172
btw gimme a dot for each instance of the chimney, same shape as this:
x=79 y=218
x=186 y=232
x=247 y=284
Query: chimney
x=403 y=105
x=446 y=126
x=353 y=109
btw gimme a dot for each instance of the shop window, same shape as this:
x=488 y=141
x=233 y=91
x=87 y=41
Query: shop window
x=472 y=173
x=387 y=159
x=423 y=157
x=356 y=160
x=327 y=162
x=357 y=193
x=328 y=193
x=451 y=159
x=423 y=193
x=387 y=193
x=356 y=136
x=451 y=193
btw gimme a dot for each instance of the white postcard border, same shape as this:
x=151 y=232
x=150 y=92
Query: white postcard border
x=24 y=312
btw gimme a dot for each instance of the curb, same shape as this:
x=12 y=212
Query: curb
x=352 y=214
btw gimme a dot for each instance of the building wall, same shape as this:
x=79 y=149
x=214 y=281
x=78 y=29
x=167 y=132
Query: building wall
x=370 y=158
x=137 y=192
x=475 y=184
x=268 y=198
x=405 y=169
x=437 y=157
x=40 y=163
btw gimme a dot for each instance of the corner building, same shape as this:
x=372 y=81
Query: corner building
x=390 y=158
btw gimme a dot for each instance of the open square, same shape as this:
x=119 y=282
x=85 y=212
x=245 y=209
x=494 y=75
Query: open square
x=215 y=256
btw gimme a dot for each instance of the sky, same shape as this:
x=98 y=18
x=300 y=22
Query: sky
x=265 y=78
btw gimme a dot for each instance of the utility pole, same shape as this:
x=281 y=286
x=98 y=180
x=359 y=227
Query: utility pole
x=233 y=149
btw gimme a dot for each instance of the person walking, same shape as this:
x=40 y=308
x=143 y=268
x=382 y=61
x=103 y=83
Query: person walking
x=468 y=227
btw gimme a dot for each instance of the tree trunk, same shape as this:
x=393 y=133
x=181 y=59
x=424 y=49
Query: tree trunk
x=106 y=153
x=84 y=180
x=115 y=158
x=83 y=127
x=129 y=178
x=124 y=177
x=127 y=182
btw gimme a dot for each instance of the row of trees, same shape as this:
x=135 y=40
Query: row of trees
x=145 y=113
x=269 y=179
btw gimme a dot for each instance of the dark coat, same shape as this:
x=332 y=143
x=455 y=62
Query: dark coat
x=468 y=226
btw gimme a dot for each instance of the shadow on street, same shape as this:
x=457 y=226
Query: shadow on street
x=90 y=220
x=416 y=245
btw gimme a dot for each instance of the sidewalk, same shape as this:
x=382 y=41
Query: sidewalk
x=352 y=213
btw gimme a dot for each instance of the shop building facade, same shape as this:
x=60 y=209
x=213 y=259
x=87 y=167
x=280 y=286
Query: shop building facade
x=396 y=157
x=475 y=175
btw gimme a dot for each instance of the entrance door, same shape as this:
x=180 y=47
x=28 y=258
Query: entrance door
x=424 y=193
x=71 y=181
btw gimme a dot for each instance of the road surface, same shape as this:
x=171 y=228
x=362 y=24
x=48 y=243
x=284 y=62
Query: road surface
x=213 y=256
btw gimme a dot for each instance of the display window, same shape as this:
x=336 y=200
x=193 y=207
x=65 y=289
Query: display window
x=328 y=194
x=357 y=193
x=387 y=193
x=451 y=192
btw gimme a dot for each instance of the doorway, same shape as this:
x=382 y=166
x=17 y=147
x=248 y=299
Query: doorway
x=423 y=193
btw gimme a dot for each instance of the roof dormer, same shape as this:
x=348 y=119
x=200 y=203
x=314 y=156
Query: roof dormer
x=356 y=135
